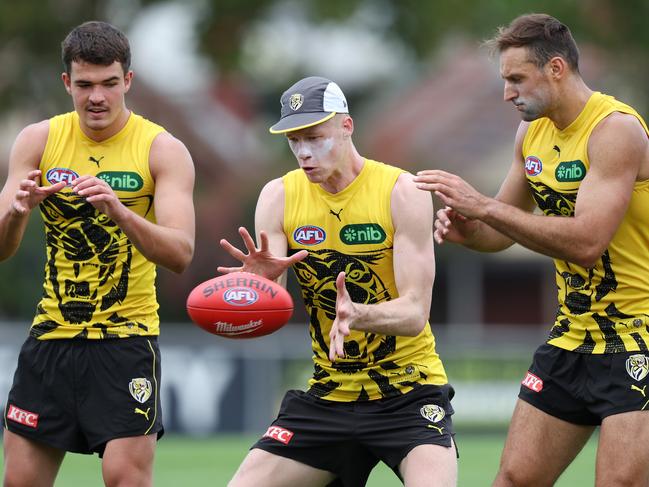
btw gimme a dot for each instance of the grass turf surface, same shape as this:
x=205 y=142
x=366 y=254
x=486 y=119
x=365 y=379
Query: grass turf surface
x=211 y=462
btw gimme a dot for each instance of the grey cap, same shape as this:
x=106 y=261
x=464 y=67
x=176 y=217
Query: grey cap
x=308 y=102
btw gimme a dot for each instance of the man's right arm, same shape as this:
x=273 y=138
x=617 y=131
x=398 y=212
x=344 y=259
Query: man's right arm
x=22 y=191
x=269 y=218
x=268 y=257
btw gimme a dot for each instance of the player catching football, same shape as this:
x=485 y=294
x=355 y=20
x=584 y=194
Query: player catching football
x=365 y=264
x=115 y=195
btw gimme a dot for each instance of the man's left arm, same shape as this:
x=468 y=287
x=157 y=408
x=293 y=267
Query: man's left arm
x=414 y=273
x=170 y=241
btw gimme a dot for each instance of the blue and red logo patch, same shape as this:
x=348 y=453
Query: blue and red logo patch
x=533 y=166
x=240 y=296
x=309 y=235
x=58 y=174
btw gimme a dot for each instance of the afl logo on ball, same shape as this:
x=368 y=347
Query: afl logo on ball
x=309 y=235
x=533 y=166
x=240 y=296
x=59 y=174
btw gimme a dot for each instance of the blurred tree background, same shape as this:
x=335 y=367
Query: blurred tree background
x=247 y=52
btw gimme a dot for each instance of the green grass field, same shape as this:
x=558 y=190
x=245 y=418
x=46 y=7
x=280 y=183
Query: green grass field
x=191 y=462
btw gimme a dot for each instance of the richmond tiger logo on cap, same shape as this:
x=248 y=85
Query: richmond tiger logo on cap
x=296 y=100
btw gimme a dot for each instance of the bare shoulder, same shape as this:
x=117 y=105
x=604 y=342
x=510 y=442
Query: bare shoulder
x=31 y=140
x=619 y=124
x=169 y=152
x=164 y=144
x=619 y=139
x=405 y=192
x=273 y=192
x=412 y=208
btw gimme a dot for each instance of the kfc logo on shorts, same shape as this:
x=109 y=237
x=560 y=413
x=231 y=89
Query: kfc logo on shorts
x=280 y=434
x=533 y=166
x=532 y=382
x=21 y=416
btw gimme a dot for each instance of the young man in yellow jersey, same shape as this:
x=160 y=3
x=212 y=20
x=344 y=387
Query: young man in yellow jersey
x=115 y=195
x=583 y=158
x=365 y=264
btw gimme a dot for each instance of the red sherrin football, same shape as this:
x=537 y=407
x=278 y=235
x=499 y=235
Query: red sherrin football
x=239 y=305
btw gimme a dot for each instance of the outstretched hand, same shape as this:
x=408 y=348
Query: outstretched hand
x=345 y=315
x=258 y=260
x=30 y=193
x=454 y=192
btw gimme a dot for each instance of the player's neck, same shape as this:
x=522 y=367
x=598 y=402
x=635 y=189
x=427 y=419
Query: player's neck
x=572 y=100
x=106 y=133
x=349 y=171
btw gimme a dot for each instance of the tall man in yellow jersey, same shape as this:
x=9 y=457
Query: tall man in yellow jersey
x=583 y=158
x=365 y=263
x=115 y=195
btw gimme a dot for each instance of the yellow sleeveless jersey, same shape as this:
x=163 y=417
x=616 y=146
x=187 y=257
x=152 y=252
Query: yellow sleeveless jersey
x=97 y=284
x=352 y=231
x=603 y=309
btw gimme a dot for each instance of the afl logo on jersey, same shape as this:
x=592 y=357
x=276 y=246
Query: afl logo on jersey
x=533 y=166
x=59 y=174
x=309 y=235
x=240 y=296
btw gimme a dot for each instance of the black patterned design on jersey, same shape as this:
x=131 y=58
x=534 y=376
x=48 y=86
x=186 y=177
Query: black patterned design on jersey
x=613 y=342
x=560 y=329
x=639 y=341
x=323 y=389
x=553 y=202
x=587 y=346
x=96 y=246
x=317 y=277
x=578 y=299
x=609 y=281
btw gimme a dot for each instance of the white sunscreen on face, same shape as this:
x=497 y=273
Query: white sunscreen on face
x=306 y=148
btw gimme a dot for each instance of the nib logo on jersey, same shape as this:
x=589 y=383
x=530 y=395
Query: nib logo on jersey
x=309 y=235
x=570 y=171
x=362 y=233
x=122 y=180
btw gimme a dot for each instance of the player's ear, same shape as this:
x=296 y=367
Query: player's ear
x=128 y=77
x=348 y=126
x=558 y=67
x=67 y=82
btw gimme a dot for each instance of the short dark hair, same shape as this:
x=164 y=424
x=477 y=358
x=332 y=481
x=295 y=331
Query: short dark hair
x=96 y=42
x=543 y=35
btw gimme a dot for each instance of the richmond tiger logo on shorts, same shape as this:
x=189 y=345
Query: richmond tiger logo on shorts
x=432 y=412
x=637 y=366
x=140 y=389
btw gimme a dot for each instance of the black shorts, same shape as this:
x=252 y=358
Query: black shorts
x=586 y=388
x=349 y=439
x=76 y=395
